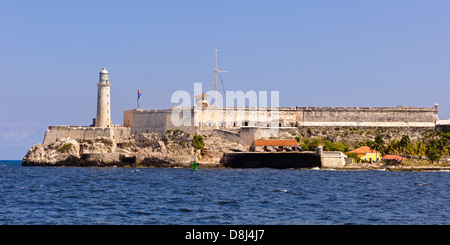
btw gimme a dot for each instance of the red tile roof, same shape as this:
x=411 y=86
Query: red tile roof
x=393 y=157
x=276 y=142
x=363 y=150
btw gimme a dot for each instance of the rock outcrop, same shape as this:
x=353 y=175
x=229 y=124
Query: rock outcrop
x=64 y=151
x=173 y=149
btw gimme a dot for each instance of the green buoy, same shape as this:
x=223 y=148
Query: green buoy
x=194 y=165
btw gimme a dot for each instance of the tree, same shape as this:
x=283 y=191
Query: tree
x=338 y=146
x=392 y=148
x=420 y=149
x=432 y=152
x=378 y=145
x=354 y=156
x=310 y=145
x=442 y=146
x=403 y=143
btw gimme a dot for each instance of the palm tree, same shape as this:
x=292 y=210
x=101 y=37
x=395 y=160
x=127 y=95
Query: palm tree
x=420 y=149
x=378 y=145
x=391 y=148
x=403 y=143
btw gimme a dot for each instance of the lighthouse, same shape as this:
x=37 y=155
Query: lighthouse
x=103 y=119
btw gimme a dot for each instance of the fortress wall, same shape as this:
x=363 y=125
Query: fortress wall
x=443 y=125
x=367 y=114
x=189 y=128
x=236 y=117
x=119 y=134
x=146 y=121
x=227 y=135
x=366 y=124
x=295 y=116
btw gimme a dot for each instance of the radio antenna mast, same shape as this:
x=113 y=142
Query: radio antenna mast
x=215 y=77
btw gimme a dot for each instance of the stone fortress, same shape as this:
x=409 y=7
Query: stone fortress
x=246 y=125
x=244 y=118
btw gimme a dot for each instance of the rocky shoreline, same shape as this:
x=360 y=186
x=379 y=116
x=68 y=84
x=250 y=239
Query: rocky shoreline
x=174 y=149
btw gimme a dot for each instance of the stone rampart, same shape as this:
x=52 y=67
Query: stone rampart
x=147 y=121
x=363 y=114
x=227 y=135
x=118 y=134
x=332 y=159
x=443 y=125
x=142 y=121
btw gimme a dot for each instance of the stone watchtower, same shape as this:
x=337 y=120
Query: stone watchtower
x=103 y=119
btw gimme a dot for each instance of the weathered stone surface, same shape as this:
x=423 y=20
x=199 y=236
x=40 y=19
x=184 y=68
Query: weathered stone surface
x=234 y=117
x=63 y=151
x=97 y=145
x=147 y=149
x=215 y=147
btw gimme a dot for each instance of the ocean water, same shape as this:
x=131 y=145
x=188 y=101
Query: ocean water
x=79 y=196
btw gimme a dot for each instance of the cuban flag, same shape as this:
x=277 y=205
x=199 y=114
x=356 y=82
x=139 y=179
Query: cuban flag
x=139 y=94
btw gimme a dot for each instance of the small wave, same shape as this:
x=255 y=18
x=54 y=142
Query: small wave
x=279 y=190
x=139 y=213
x=421 y=184
x=226 y=202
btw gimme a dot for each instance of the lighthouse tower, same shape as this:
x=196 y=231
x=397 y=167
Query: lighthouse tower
x=103 y=101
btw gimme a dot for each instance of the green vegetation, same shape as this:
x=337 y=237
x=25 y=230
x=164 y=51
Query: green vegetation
x=197 y=142
x=432 y=152
x=310 y=145
x=337 y=146
x=64 y=148
x=433 y=146
x=354 y=156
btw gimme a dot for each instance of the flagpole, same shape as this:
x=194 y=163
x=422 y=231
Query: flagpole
x=138 y=95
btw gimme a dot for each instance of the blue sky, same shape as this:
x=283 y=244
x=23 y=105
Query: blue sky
x=316 y=53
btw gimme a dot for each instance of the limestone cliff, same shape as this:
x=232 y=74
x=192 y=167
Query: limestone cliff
x=64 y=151
x=173 y=149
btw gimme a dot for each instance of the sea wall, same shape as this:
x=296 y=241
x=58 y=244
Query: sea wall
x=278 y=160
x=332 y=159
